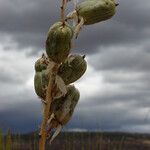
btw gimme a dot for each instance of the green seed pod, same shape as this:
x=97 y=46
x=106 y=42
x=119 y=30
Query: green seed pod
x=72 y=69
x=93 y=11
x=63 y=107
x=58 y=43
x=41 y=80
x=40 y=83
x=40 y=64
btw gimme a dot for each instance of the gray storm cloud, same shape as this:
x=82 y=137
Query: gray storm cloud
x=28 y=23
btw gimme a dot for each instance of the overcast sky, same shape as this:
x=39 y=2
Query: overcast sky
x=115 y=91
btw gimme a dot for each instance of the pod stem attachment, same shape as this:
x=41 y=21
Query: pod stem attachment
x=63 y=11
x=52 y=69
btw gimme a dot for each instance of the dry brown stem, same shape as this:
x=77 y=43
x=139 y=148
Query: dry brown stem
x=52 y=68
x=63 y=11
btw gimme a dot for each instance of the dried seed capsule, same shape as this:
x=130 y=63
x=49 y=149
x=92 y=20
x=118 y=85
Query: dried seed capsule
x=72 y=69
x=58 y=43
x=62 y=109
x=41 y=64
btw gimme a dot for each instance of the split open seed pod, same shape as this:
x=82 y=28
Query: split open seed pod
x=73 y=68
x=58 y=43
x=62 y=109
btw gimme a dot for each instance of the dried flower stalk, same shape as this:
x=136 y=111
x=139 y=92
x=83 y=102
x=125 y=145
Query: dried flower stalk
x=52 y=68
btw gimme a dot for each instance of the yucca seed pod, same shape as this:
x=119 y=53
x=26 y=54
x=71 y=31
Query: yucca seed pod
x=93 y=11
x=41 y=64
x=63 y=107
x=38 y=84
x=41 y=80
x=90 y=12
x=58 y=43
x=72 y=69
x=61 y=110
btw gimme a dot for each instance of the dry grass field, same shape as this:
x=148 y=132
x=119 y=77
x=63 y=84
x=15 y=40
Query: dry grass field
x=84 y=141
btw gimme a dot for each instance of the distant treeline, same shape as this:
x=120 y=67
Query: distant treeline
x=77 y=141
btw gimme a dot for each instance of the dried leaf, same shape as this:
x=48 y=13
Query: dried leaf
x=58 y=129
x=61 y=86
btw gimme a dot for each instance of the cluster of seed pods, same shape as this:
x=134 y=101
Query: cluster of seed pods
x=66 y=95
x=71 y=66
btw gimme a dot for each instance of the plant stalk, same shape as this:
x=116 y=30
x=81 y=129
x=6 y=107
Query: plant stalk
x=63 y=11
x=52 y=69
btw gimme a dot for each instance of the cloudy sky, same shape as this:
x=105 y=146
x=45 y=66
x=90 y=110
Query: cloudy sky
x=115 y=91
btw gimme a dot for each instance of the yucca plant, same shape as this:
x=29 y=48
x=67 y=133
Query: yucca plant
x=57 y=69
